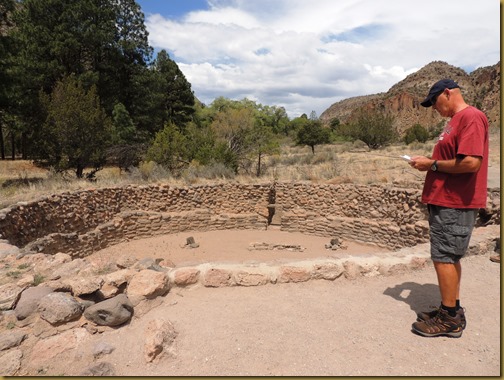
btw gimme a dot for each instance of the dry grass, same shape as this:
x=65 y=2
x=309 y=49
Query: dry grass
x=335 y=164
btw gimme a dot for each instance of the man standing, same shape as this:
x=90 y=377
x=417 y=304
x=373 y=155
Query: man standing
x=455 y=188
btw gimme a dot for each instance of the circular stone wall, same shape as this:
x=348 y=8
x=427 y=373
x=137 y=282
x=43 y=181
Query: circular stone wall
x=84 y=222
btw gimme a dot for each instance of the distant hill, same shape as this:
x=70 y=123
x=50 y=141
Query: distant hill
x=481 y=88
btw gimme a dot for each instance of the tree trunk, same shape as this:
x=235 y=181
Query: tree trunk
x=13 y=145
x=2 y=143
x=79 y=171
x=259 y=166
x=23 y=145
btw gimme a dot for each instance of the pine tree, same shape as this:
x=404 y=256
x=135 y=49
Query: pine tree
x=103 y=42
x=7 y=49
x=179 y=98
x=78 y=130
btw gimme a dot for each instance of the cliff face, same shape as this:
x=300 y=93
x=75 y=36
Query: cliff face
x=481 y=88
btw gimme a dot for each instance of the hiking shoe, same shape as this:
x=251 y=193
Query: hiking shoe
x=426 y=315
x=441 y=324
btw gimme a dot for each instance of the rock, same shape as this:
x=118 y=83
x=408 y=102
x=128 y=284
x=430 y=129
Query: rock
x=43 y=329
x=100 y=369
x=46 y=350
x=83 y=286
x=11 y=338
x=216 y=278
x=69 y=269
x=327 y=271
x=147 y=284
x=51 y=262
x=125 y=262
x=29 y=301
x=115 y=283
x=26 y=281
x=159 y=338
x=9 y=295
x=59 y=285
x=150 y=264
x=57 y=308
x=111 y=312
x=293 y=274
x=8 y=249
x=186 y=276
x=101 y=349
x=108 y=291
x=165 y=263
x=251 y=279
x=10 y=362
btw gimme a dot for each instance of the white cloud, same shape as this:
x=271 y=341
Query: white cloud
x=307 y=55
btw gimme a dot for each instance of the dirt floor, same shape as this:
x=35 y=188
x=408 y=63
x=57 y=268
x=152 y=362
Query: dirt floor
x=318 y=328
x=234 y=246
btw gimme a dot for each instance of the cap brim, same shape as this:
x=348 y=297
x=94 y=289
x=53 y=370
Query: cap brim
x=427 y=102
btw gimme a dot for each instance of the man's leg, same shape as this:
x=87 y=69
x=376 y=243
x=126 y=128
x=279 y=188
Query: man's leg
x=446 y=321
x=449 y=276
x=458 y=267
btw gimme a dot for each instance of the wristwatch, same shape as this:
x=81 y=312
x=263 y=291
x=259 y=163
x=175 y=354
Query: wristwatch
x=434 y=166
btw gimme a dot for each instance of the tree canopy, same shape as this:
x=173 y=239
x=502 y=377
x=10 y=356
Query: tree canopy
x=103 y=45
x=80 y=88
x=77 y=129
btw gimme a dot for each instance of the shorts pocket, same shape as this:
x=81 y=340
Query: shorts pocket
x=458 y=238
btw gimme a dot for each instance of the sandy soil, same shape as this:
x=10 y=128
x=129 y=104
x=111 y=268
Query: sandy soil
x=318 y=328
x=233 y=246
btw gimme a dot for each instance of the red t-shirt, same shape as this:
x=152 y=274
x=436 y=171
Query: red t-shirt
x=465 y=134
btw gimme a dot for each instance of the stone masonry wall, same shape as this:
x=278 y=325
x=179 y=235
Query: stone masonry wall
x=83 y=222
x=390 y=218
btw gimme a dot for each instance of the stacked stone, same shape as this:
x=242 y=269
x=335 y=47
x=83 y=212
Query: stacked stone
x=83 y=222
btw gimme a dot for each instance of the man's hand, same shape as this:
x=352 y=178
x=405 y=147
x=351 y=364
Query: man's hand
x=421 y=163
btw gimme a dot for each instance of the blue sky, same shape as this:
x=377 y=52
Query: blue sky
x=307 y=55
x=173 y=9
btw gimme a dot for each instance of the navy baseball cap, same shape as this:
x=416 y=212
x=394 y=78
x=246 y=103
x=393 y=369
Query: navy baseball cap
x=437 y=89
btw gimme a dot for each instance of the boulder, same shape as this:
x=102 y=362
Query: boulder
x=186 y=276
x=57 y=308
x=46 y=350
x=293 y=274
x=99 y=369
x=9 y=295
x=101 y=349
x=10 y=362
x=29 y=301
x=147 y=284
x=217 y=278
x=69 y=269
x=111 y=312
x=115 y=283
x=159 y=338
x=84 y=286
x=11 y=338
x=149 y=263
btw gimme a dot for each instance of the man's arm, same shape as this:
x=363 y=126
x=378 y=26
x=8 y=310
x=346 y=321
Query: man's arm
x=461 y=164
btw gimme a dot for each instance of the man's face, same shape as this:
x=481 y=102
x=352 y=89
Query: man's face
x=440 y=103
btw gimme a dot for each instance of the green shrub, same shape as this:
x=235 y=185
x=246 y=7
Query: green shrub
x=38 y=279
x=416 y=133
x=373 y=127
x=148 y=171
x=14 y=274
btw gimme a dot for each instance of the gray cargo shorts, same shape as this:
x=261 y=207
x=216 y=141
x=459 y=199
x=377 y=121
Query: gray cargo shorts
x=450 y=232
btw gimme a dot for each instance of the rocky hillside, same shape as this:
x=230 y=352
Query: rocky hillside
x=481 y=88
